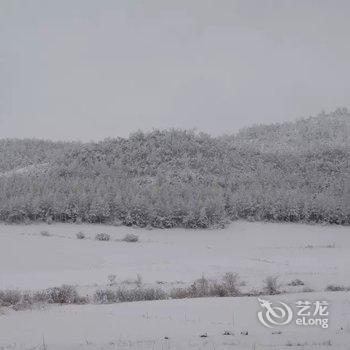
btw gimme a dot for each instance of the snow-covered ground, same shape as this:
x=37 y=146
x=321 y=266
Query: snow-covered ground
x=145 y=325
x=318 y=255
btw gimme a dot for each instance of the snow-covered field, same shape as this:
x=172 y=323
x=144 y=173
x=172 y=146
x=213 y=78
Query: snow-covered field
x=318 y=255
x=145 y=325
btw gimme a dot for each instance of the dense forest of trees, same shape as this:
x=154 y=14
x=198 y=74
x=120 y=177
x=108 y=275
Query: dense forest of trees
x=283 y=172
x=17 y=153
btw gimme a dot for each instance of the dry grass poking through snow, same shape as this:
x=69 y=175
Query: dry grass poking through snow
x=228 y=286
x=57 y=295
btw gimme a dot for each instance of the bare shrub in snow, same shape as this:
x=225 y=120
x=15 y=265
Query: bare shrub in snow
x=200 y=287
x=122 y=295
x=40 y=296
x=102 y=237
x=45 y=233
x=141 y=294
x=25 y=303
x=271 y=285
x=336 y=288
x=131 y=238
x=296 y=282
x=65 y=294
x=231 y=283
x=57 y=295
x=218 y=290
x=10 y=297
x=179 y=293
x=203 y=287
x=105 y=296
x=80 y=235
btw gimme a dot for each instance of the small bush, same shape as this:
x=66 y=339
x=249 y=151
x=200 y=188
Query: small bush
x=203 y=287
x=40 y=296
x=218 y=290
x=130 y=238
x=21 y=306
x=200 y=288
x=65 y=294
x=140 y=294
x=104 y=297
x=10 y=297
x=296 y=282
x=179 y=293
x=271 y=285
x=25 y=303
x=57 y=295
x=45 y=233
x=231 y=283
x=102 y=237
x=80 y=235
x=17 y=299
x=123 y=295
x=335 y=288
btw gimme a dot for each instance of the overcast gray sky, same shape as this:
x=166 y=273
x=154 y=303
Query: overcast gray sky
x=90 y=69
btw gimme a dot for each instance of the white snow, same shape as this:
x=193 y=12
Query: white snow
x=144 y=325
x=254 y=250
x=318 y=255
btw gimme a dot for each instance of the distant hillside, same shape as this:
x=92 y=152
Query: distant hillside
x=285 y=172
x=15 y=153
x=314 y=133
